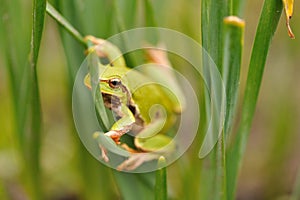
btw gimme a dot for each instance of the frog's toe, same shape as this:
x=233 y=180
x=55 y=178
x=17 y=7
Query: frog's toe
x=104 y=154
x=136 y=160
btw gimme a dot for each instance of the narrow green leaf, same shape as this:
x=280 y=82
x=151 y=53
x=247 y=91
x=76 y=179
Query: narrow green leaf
x=110 y=145
x=150 y=20
x=33 y=115
x=65 y=24
x=124 y=21
x=97 y=17
x=161 y=192
x=266 y=28
x=95 y=178
x=236 y=7
x=121 y=26
x=142 y=188
x=233 y=46
x=127 y=10
x=144 y=182
x=37 y=29
x=149 y=14
x=213 y=171
x=73 y=49
x=93 y=64
x=13 y=61
x=212 y=14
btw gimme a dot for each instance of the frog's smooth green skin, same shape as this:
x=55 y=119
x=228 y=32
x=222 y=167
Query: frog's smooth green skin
x=147 y=111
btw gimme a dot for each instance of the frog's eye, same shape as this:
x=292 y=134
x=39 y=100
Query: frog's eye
x=114 y=83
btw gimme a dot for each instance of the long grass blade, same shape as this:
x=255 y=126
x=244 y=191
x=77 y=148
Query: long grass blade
x=95 y=178
x=161 y=192
x=33 y=112
x=267 y=26
x=142 y=188
x=233 y=46
x=63 y=22
x=9 y=24
x=236 y=7
x=213 y=171
x=97 y=18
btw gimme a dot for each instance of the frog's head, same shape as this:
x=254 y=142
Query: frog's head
x=111 y=82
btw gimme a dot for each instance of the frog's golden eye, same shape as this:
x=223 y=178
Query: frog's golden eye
x=114 y=83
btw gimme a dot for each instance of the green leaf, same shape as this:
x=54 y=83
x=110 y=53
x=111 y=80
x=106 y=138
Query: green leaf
x=65 y=24
x=25 y=88
x=73 y=49
x=142 y=188
x=37 y=29
x=93 y=63
x=213 y=171
x=266 y=28
x=127 y=13
x=233 y=46
x=161 y=192
x=34 y=116
x=95 y=178
x=110 y=145
x=97 y=17
x=236 y=7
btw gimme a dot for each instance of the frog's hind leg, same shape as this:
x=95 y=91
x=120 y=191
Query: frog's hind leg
x=136 y=160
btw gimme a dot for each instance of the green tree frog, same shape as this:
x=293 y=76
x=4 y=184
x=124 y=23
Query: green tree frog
x=143 y=107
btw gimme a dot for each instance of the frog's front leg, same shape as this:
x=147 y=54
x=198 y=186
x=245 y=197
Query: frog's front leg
x=119 y=128
x=123 y=125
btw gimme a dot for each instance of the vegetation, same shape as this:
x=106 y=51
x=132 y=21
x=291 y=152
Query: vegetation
x=256 y=156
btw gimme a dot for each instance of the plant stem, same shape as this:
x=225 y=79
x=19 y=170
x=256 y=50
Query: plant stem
x=213 y=172
x=233 y=45
x=236 y=7
x=266 y=28
x=161 y=192
x=65 y=24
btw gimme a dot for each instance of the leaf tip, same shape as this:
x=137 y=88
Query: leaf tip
x=290 y=32
x=235 y=21
x=161 y=162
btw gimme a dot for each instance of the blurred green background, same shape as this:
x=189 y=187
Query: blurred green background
x=271 y=161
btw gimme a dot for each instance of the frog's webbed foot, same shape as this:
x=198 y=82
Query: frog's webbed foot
x=136 y=160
